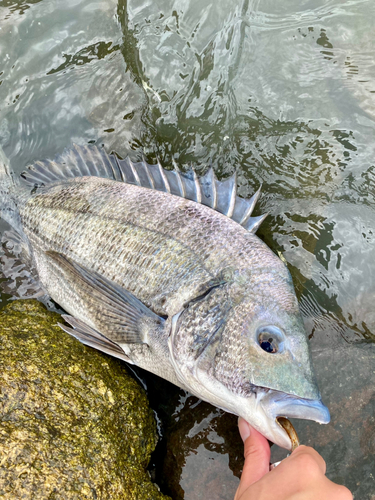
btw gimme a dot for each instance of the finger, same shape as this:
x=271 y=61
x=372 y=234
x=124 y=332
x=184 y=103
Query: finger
x=257 y=456
x=310 y=455
x=299 y=476
x=302 y=471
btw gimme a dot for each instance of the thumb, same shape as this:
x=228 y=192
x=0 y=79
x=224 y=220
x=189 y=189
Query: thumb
x=257 y=456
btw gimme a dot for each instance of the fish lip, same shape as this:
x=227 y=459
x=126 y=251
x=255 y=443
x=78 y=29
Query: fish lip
x=277 y=404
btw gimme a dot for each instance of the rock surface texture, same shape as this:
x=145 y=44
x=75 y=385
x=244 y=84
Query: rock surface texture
x=73 y=423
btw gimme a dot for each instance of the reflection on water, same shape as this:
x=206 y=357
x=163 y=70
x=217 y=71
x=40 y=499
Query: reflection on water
x=204 y=452
x=283 y=93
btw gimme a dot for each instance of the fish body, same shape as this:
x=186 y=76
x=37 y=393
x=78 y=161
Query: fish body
x=164 y=271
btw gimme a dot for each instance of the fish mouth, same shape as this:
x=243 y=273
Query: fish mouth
x=279 y=407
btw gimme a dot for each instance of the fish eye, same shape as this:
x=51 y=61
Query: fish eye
x=270 y=339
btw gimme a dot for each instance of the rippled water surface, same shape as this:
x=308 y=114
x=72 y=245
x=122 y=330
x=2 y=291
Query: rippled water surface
x=283 y=93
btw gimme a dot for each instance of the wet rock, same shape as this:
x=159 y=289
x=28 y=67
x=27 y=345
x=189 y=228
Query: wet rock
x=73 y=423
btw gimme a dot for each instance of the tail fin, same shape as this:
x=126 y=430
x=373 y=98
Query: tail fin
x=9 y=186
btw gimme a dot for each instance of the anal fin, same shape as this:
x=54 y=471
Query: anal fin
x=90 y=337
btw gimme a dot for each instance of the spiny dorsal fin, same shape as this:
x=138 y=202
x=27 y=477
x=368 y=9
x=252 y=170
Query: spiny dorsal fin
x=79 y=161
x=82 y=161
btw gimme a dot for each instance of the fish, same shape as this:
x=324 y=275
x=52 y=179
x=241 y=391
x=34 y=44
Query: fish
x=163 y=269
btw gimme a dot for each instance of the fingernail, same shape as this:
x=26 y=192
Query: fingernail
x=244 y=429
x=272 y=466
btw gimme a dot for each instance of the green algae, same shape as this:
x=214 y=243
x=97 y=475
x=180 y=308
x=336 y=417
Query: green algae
x=73 y=423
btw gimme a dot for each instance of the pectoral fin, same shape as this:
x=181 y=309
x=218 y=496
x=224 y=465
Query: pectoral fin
x=117 y=313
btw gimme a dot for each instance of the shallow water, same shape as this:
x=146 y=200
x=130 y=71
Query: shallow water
x=282 y=93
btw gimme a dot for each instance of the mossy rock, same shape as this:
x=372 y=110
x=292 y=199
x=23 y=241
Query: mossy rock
x=73 y=423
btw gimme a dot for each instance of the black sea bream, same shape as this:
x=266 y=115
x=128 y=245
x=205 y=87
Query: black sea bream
x=163 y=270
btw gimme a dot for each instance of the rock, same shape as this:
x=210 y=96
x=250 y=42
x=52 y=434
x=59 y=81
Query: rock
x=73 y=423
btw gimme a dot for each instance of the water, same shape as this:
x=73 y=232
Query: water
x=281 y=92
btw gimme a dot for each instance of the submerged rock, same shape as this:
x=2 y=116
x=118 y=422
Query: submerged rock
x=73 y=424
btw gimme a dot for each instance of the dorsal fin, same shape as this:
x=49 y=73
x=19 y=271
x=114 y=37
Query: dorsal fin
x=78 y=161
x=82 y=161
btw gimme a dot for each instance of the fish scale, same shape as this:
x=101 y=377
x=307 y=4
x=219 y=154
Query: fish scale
x=171 y=265
x=138 y=212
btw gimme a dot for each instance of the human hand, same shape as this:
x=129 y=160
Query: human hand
x=301 y=476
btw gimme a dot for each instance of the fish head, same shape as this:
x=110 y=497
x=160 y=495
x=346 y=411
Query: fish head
x=243 y=347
